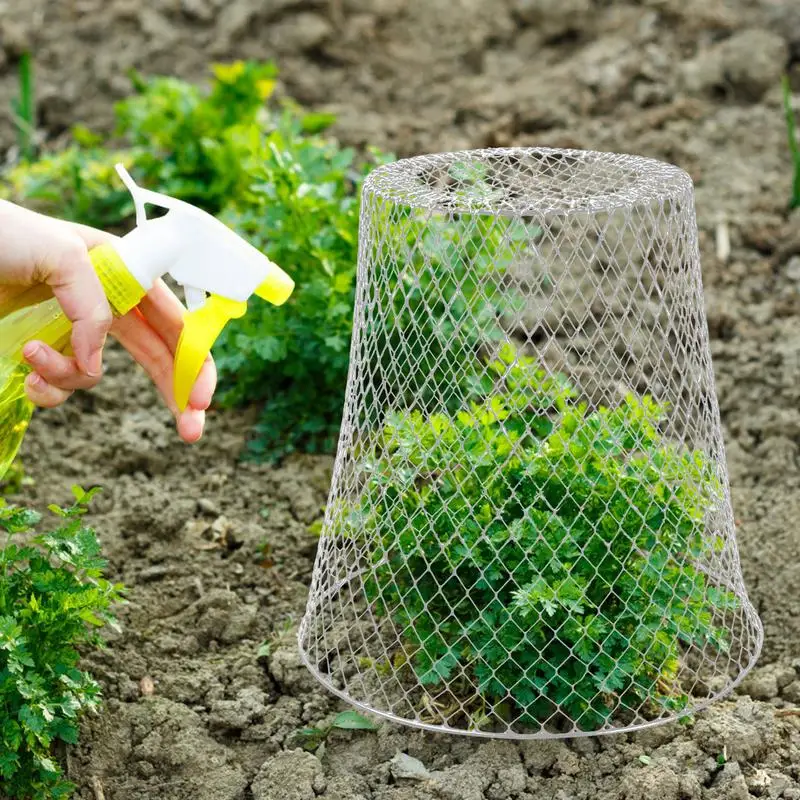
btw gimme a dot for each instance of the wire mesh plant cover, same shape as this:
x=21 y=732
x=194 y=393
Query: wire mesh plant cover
x=529 y=531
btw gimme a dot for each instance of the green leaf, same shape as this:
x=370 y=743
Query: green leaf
x=48 y=765
x=78 y=493
x=440 y=670
x=336 y=343
x=65 y=730
x=352 y=720
x=264 y=650
x=91 y=618
x=317 y=122
x=31 y=719
x=84 y=137
x=11 y=735
x=9 y=764
x=310 y=738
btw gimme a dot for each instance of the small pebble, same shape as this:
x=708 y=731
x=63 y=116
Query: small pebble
x=207 y=506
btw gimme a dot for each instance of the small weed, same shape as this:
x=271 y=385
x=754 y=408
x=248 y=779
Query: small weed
x=265 y=556
x=279 y=635
x=265 y=650
x=311 y=738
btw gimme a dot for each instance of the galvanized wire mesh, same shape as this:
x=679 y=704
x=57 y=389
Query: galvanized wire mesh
x=529 y=531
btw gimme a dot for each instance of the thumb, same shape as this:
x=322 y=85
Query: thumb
x=70 y=274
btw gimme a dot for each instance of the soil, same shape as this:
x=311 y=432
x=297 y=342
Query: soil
x=191 y=711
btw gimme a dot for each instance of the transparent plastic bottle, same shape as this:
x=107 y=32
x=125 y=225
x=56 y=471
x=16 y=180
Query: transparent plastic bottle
x=32 y=318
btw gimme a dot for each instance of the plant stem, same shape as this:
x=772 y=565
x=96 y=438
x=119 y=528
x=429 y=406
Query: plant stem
x=794 y=146
x=25 y=108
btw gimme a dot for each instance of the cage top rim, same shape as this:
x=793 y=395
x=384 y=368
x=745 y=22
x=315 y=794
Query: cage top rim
x=406 y=182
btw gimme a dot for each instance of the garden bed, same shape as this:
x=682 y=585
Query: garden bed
x=218 y=553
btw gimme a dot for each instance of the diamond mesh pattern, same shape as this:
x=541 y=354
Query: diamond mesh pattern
x=529 y=531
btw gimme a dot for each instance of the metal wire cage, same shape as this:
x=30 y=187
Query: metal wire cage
x=529 y=531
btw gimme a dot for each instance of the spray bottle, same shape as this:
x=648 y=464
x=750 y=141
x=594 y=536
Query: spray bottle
x=217 y=269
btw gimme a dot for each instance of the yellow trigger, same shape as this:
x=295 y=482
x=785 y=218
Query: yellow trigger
x=201 y=328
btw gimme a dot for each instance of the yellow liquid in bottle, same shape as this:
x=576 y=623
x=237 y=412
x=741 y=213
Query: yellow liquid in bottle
x=15 y=410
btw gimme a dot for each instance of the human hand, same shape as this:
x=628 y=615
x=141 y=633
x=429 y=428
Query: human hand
x=39 y=250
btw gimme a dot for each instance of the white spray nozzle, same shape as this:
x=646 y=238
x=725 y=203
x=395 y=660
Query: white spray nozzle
x=204 y=255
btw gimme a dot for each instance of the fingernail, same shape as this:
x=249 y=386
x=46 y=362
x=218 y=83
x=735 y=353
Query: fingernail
x=36 y=380
x=198 y=423
x=31 y=350
x=95 y=369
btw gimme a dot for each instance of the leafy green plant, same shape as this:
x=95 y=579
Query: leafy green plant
x=794 y=145
x=53 y=599
x=303 y=213
x=200 y=146
x=24 y=108
x=312 y=738
x=542 y=551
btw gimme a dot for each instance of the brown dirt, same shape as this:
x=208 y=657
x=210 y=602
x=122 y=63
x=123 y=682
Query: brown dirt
x=695 y=83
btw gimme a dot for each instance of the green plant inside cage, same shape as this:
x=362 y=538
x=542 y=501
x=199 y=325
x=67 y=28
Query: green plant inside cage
x=543 y=552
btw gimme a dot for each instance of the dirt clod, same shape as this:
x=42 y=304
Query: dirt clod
x=553 y=19
x=291 y=775
x=405 y=767
x=730 y=783
x=769 y=681
x=288 y=670
x=655 y=782
x=742 y=735
x=249 y=707
x=727 y=67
